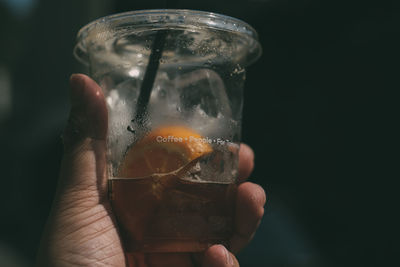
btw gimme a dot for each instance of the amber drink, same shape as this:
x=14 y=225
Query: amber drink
x=179 y=217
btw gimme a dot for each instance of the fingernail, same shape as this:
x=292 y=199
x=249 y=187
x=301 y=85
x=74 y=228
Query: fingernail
x=78 y=112
x=77 y=86
x=228 y=257
x=88 y=114
x=74 y=130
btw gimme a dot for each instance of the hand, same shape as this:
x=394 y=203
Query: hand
x=81 y=230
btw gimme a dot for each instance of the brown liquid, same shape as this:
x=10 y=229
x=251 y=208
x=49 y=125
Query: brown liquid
x=167 y=214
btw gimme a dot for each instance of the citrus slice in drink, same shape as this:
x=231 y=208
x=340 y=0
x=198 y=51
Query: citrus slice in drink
x=150 y=179
x=163 y=150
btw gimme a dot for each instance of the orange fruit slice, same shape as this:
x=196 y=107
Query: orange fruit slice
x=163 y=150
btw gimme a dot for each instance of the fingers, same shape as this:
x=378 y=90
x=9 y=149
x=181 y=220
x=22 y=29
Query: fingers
x=219 y=256
x=249 y=212
x=246 y=162
x=83 y=164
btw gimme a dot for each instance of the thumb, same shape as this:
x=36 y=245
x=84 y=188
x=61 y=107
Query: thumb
x=81 y=186
x=84 y=160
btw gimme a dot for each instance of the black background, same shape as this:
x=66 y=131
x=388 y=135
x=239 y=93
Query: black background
x=320 y=112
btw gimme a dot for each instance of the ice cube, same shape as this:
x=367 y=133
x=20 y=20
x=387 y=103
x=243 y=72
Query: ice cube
x=164 y=101
x=203 y=88
x=198 y=98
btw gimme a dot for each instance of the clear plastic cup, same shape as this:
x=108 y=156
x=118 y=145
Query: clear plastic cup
x=173 y=82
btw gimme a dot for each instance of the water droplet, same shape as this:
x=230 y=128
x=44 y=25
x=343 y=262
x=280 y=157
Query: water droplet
x=129 y=128
x=163 y=93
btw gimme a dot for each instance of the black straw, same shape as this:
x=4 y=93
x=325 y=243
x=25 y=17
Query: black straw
x=150 y=74
x=152 y=68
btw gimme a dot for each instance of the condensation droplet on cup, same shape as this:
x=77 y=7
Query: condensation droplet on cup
x=238 y=69
x=163 y=93
x=207 y=63
x=130 y=129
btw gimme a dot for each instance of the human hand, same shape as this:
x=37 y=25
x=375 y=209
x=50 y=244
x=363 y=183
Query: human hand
x=81 y=230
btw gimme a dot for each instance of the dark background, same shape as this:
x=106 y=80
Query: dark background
x=320 y=112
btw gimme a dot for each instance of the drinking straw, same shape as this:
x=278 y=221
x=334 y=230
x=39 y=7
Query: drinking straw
x=150 y=74
x=152 y=67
